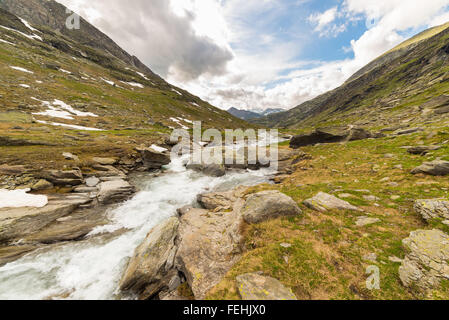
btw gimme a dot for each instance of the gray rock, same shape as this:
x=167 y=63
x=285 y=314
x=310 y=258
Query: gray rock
x=431 y=209
x=408 y=131
x=41 y=185
x=323 y=202
x=267 y=205
x=212 y=170
x=105 y=161
x=150 y=270
x=153 y=159
x=92 y=181
x=12 y=170
x=209 y=245
x=17 y=223
x=435 y=168
x=330 y=135
x=114 y=191
x=69 y=156
x=253 y=286
x=365 y=221
x=422 y=150
x=426 y=263
x=63 y=178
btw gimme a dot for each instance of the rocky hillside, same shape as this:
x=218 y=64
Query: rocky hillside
x=61 y=95
x=407 y=84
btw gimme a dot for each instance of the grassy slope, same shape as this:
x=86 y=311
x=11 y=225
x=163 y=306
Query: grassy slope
x=326 y=257
x=128 y=115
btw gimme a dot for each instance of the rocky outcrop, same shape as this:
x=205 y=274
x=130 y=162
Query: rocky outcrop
x=150 y=270
x=267 y=205
x=114 y=191
x=12 y=170
x=209 y=245
x=17 y=223
x=153 y=159
x=330 y=135
x=220 y=200
x=434 y=168
x=426 y=263
x=64 y=178
x=433 y=208
x=253 y=286
x=323 y=202
x=422 y=150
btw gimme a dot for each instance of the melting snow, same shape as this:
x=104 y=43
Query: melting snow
x=176 y=92
x=108 y=81
x=70 y=126
x=195 y=104
x=67 y=112
x=134 y=84
x=65 y=71
x=21 y=69
x=24 y=86
x=28 y=25
x=158 y=149
x=32 y=37
x=7 y=42
x=179 y=123
x=142 y=75
x=20 y=198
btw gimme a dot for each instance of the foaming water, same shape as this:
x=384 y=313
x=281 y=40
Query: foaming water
x=91 y=269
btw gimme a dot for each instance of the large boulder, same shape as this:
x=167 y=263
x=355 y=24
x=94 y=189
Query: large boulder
x=209 y=244
x=212 y=170
x=150 y=270
x=153 y=159
x=422 y=150
x=426 y=263
x=253 y=286
x=434 y=168
x=64 y=178
x=329 y=135
x=114 y=191
x=323 y=202
x=433 y=208
x=266 y=205
x=223 y=200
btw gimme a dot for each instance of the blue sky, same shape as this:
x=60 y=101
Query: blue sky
x=258 y=54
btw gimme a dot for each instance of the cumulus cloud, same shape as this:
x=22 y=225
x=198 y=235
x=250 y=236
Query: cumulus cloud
x=235 y=53
x=161 y=34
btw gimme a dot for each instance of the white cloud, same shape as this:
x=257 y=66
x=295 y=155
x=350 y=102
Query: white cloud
x=224 y=52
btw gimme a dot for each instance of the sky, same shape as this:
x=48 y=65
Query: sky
x=259 y=54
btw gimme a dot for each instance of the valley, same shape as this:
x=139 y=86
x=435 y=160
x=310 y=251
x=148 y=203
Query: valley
x=95 y=205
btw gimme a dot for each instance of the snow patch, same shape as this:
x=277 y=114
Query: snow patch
x=179 y=123
x=108 y=81
x=28 y=25
x=70 y=126
x=134 y=84
x=21 y=69
x=20 y=198
x=24 y=86
x=59 y=109
x=65 y=71
x=158 y=149
x=7 y=42
x=176 y=92
x=32 y=37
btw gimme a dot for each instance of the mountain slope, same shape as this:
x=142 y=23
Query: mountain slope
x=58 y=95
x=250 y=115
x=392 y=89
x=53 y=15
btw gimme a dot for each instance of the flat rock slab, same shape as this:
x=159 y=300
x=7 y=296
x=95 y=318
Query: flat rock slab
x=253 y=286
x=16 y=223
x=323 y=202
x=426 y=264
x=366 y=221
x=433 y=208
x=434 y=168
x=114 y=191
